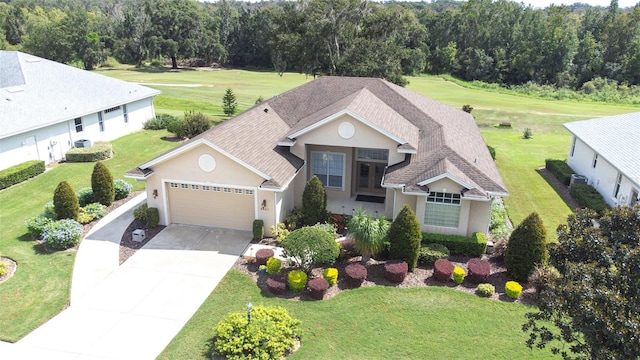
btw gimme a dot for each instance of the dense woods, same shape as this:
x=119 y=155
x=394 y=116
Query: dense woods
x=503 y=42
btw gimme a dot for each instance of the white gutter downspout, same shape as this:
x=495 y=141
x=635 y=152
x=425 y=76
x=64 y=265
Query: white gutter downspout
x=275 y=213
x=393 y=215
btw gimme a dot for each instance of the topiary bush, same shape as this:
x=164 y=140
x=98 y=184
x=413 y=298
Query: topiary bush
x=542 y=277
x=65 y=202
x=485 y=290
x=331 y=275
x=513 y=289
x=274 y=265
x=85 y=196
x=100 y=150
x=258 y=229
x=102 y=184
x=588 y=197
x=297 y=280
x=317 y=287
x=526 y=247
x=271 y=333
x=21 y=172
x=37 y=224
x=140 y=213
x=432 y=252
x=405 y=237
x=309 y=247
x=396 y=270
x=121 y=189
x=62 y=234
x=314 y=202
x=478 y=270
x=442 y=270
x=277 y=284
x=355 y=274
x=458 y=275
x=153 y=217
x=560 y=169
x=263 y=255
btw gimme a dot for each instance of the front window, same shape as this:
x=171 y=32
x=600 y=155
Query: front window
x=442 y=209
x=329 y=168
x=372 y=154
x=78 y=124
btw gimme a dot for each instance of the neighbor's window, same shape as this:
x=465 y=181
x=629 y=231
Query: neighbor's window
x=573 y=145
x=100 y=121
x=112 y=109
x=78 y=123
x=442 y=209
x=616 y=190
x=125 y=114
x=329 y=168
x=595 y=161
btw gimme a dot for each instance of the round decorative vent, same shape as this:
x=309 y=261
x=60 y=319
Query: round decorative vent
x=346 y=130
x=207 y=163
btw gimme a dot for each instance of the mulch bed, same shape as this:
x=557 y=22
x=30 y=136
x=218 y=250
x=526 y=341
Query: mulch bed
x=128 y=247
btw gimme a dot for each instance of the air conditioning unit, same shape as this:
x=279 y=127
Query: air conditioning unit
x=82 y=143
x=578 y=179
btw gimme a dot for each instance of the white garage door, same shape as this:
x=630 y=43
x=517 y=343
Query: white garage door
x=206 y=205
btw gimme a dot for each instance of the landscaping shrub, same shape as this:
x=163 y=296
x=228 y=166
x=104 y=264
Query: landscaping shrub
x=295 y=219
x=527 y=247
x=476 y=245
x=588 y=197
x=492 y=151
x=194 y=124
x=21 y=172
x=140 y=213
x=85 y=217
x=62 y=234
x=49 y=210
x=458 y=275
x=368 y=234
x=297 y=280
x=560 y=169
x=153 y=217
x=355 y=274
x=277 y=284
x=37 y=224
x=467 y=108
x=485 y=290
x=85 y=196
x=317 y=287
x=328 y=228
x=478 y=269
x=499 y=224
x=270 y=334
x=347 y=248
x=542 y=276
x=121 y=189
x=159 y=122
x=314 y=202
x=175 y=127
x=527 y=134
x=102 y=184
x=263 y=255
x=339 y=222
x=309 y=247
x=3 y=269
x=432 y=252
x=331 y=275
x=395 y=270
x=442 y=270
x=96 y=209
x=405 y=237
x=274 y=265
x=513 y=289
x=65 y=202
x=100 y=150
x=280 y=231
x=258 y=229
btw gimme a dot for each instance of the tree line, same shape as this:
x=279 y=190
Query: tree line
x=500 y=41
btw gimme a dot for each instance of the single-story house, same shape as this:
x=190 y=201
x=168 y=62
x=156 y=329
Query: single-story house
x=373 y=144
x=607 y=152
x=45 y=107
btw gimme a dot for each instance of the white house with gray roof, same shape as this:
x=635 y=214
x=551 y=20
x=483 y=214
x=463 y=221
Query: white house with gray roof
x=45 y=107
x=607 y=151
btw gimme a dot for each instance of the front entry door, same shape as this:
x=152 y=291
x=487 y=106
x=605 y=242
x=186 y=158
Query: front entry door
x=370 y=177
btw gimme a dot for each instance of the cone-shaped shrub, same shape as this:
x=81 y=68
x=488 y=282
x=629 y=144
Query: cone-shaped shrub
x=314 y=202
x=526 y=248
x=102 y=184
x=65 y=202
x=405 y=237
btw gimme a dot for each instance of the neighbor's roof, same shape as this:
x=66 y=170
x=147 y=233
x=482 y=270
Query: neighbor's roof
x=447 y=140
x=615 y=138
x=36 y=92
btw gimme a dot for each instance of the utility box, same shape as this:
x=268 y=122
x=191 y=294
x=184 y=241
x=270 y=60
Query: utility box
x=578 y=179
x=138 y=235
x=82 y=143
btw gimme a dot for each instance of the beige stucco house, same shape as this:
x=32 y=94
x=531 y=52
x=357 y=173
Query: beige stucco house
x=372 y=144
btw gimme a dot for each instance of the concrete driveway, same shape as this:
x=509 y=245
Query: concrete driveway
x=133 y=311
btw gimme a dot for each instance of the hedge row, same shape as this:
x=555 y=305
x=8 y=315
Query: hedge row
x=476 y=245
x=100 y=150
x=588 y=197
x=21 y=172
x=560 y=170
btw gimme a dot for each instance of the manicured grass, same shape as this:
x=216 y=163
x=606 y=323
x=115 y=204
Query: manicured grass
x=374 y=323
x=40 y=287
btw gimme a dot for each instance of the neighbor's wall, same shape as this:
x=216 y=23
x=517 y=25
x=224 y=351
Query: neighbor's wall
x=48 y=144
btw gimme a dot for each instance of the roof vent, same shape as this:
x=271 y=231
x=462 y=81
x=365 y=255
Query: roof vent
x=266 y=110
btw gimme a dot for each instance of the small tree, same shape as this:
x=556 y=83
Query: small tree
x=526 y=248
x=367 y=233
x=229 y=103
x=314 y=202
x=102 y=184
x=405 y=237
x=194 y=123
x=309 y=247
x=65 y=202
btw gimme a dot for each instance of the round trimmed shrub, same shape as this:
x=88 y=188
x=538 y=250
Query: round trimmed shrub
x=102 y=184
x=37 y=224
x=513 y=289
x=85 y=196
x=442 y=270
x=317 y=287
x=297 y=280
x=479 y=270
x=121 y=189
x=355 y=274
x=331 y=275
x=432 y=252
x=65 y=202
x=395 y=270
x=458 y=275
x=485 y=290
x=276 y=284
x=274 y=265
x=62 y=234
x=263 y=255
x=270 y=334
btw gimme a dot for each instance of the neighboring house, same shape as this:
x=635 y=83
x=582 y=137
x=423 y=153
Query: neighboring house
x=367 y=140
x=45 y=107
x=607 y=152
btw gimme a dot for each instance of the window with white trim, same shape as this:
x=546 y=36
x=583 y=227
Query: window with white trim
x=78 y=124
x=174 y=185
x=329 y=168
x=442 y=209
x=616 y=190
x=125 y=114
x=112 y=109
x=573 y=146
x=206 y=188
x=184 y=186
x=595 y=161
x=195 y=187
x=227 y=190
x=364 y=154
x=216 y=188
x=248 y=192
x=100 y=121
x=238 y=191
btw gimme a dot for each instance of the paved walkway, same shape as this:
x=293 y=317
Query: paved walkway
x=132 y=311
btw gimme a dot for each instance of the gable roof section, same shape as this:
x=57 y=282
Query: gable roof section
x=615 y=138
x=36 y=92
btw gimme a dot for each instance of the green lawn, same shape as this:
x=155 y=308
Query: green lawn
x=40 y=287
x=374 y=323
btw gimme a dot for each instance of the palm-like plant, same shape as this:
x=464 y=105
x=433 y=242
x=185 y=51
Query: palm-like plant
x=367 y=233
